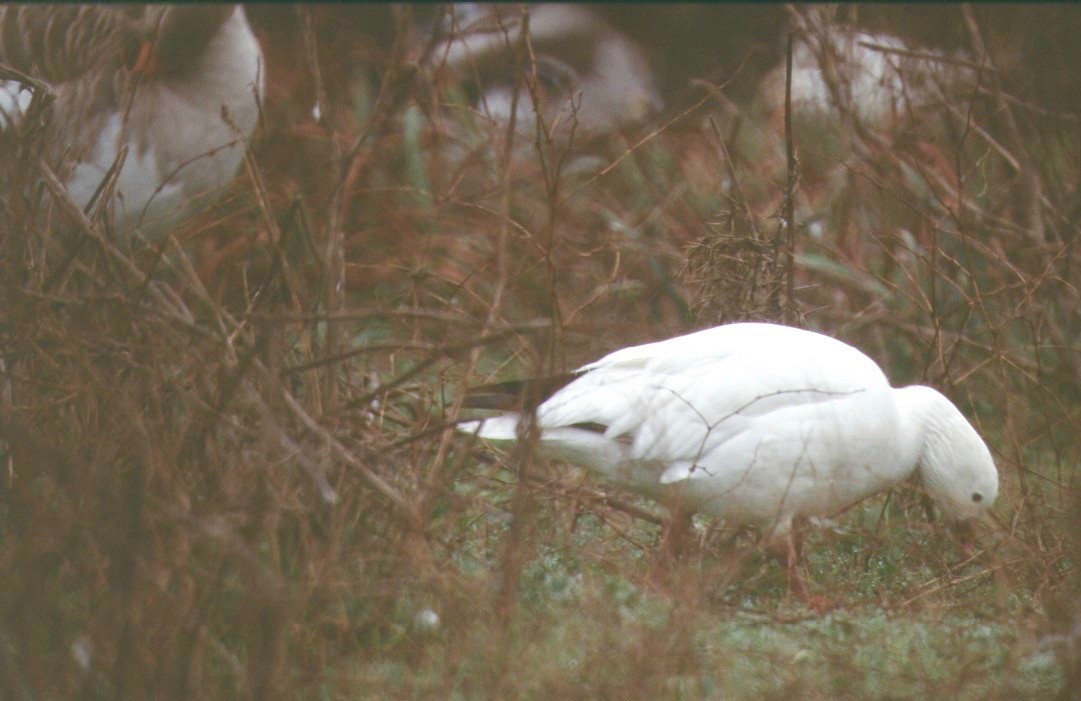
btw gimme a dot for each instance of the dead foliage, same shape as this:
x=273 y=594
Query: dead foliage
x=230 y=468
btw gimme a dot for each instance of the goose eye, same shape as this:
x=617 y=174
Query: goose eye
x=977 y=497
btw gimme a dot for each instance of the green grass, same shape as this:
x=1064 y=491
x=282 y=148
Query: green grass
x=596 y=618
x=580 y=632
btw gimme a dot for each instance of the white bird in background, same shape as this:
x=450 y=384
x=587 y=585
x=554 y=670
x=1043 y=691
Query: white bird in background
x=875 y=76
x=176 y=84
x=585 y=68
x=759 y=424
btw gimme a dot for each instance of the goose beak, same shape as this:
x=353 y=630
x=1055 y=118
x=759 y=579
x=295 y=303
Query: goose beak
x=146 y=63
x=965 y=532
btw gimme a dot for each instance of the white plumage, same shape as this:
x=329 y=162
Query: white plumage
x=877 y=77
x=759 y=424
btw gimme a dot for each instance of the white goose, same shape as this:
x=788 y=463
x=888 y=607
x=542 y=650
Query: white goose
x=759 y=424
x=876 y=76
x=177 y=84
x=580 y=59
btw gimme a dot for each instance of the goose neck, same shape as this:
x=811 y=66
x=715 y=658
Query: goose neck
x=925 y=423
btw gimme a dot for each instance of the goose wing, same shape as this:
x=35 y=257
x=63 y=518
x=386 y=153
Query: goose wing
x=695 y=400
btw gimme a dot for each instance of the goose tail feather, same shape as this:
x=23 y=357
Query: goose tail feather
x=495 y=428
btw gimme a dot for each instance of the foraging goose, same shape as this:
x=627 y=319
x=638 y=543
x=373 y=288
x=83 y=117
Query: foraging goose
x=176 y=84
x=759 y=424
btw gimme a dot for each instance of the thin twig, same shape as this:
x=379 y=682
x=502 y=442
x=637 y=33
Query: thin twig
x=790 y=186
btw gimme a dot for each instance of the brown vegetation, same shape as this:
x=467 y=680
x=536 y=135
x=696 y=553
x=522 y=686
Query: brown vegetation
x=229 y=466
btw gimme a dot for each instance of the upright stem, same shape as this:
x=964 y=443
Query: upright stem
x=790 y=185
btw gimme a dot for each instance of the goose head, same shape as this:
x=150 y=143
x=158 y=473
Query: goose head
x=951 y=458
x=174 y=37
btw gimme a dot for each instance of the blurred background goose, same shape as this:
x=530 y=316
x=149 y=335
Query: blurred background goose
x=587 y=71
x=759 y=424
x=177 y=85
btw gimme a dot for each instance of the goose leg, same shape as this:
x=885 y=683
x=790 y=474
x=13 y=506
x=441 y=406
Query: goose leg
x=677 y=534
x=797 y=584
x=664 y=576
x=677 y=530
x=793 y=555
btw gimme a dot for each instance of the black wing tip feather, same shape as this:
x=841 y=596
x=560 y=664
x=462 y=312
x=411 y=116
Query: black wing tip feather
x=516 y=395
